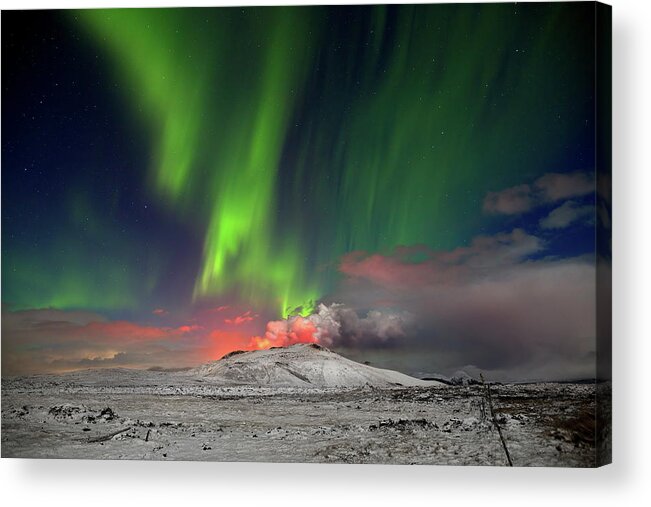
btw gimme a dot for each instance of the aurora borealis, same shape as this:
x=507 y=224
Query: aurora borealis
x=190 y=175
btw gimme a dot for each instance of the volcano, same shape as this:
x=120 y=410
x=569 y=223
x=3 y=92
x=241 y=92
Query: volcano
x=300 y=365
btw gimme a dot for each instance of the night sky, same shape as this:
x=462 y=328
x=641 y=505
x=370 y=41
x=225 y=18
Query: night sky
x=409 y=185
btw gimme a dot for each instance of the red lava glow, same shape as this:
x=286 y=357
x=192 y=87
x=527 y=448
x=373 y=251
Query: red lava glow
x=221 y=343
x=282 y=333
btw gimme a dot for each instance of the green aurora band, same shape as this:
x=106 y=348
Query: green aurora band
x=295 y=135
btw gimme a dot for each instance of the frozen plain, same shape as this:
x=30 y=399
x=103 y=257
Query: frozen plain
x=301 y=404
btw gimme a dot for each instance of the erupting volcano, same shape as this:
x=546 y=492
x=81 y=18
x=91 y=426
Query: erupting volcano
x=354 y=196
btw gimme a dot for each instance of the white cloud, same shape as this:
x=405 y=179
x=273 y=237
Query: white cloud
x=566 y=214
x=549 y=188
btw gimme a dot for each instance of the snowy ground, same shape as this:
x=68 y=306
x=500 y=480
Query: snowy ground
x=177 y=416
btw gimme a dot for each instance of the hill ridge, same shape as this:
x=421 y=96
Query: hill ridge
x=300 y=365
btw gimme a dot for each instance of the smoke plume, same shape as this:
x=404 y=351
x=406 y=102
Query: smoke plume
x=335 y=325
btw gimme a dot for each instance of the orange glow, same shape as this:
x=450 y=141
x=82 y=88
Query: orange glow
x=221 y=343
x=123 y=331
x=282 y=333
x=102 y=343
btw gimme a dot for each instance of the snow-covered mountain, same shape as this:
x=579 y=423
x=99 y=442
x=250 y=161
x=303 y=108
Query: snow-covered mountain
x=301 y=365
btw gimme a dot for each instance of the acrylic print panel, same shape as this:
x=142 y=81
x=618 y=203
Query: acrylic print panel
x=352 y=234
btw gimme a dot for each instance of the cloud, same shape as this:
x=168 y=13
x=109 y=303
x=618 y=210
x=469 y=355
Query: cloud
x=47 y=340
x=490 y=305
x=566 y=214
x=511 y=201
x=550 y=188
x=485 y=254
x=282 y=333
x=336 y=326
x=558 y=186
x=124 y=332
x=496 y=305
x=159 y=311
x=241 y=319
x=340 y=326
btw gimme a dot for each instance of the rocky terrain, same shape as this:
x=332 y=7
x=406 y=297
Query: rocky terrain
x=288 y=405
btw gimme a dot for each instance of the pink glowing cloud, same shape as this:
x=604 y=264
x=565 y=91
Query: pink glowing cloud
x=219 y=309
x=440 y=267
x=55 y=340
x=496 y=304
x=282 y=333
x=247 y=316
